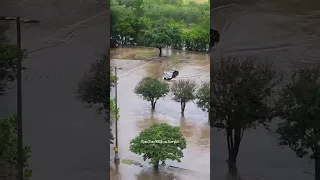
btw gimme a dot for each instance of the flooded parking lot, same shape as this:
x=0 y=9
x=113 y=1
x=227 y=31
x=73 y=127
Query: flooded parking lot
x=136 y=115
x=287 y=33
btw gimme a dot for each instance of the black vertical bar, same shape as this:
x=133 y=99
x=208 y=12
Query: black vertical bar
x=211 y=73
x=116 y=158
x=19 y=102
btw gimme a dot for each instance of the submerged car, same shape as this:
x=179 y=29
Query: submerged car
x=170 y=74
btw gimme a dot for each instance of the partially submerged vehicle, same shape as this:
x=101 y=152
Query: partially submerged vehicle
x=168 y=75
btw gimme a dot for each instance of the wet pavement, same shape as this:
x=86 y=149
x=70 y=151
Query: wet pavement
x=136 y=115
x=286 y=32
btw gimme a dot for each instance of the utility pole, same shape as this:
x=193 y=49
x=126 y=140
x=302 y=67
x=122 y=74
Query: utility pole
x=116 y=150
x=19 y=90
x=19 y=101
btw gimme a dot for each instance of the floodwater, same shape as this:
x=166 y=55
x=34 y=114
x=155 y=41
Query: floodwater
x=287 y=33
x=68 y=140
x=136 y=115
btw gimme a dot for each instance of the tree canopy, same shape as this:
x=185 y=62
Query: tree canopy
x=159 y=143
x=94 y=88
x=203 y=97
x=298 y=107
x=241 y=92
x=161 y=23
x=8 y=55
x=8 y=146
x=183 y=91
x=151 y=89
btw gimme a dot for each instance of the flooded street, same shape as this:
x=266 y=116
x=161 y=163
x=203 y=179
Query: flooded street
x=68 y=140
x=286 y=32
x=136 y=115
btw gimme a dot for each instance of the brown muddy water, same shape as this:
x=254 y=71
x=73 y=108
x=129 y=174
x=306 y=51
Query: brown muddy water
x=287 y=33
x=136 y=115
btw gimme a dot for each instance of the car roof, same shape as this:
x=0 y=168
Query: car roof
x=171 y=71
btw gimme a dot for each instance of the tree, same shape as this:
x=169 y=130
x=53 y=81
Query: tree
x=94 y=87
x=299 y=107
x=159 y=143
x=146 y=23
x=8 y=56
x=203 y=97
x=8 y=147
x=177 y=27
x=114 y=111
x=183 y=91
x=151 y=89
x=163 y=35
x=240 y=99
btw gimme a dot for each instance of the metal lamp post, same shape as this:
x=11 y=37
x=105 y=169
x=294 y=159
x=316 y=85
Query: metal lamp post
x=19 y=88
x=116 y=150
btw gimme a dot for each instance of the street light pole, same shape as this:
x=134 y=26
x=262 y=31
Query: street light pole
x=19 y=101
x=116 y=150
x=19 y=91
x=116 y=157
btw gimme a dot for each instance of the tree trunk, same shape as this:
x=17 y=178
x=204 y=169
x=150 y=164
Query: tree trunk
x=317 y=168
x=232 y=165
x=183 y=106
x=156 y=166
x=233 y=140
x=153 y=104
x=160 y=51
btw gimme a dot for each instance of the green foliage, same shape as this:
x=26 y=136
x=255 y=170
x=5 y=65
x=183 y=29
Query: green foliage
x=137 y=22
x=95 y=84
x=8 y=146
x=298 y=107
x=203 y=97
x=240 y=98
x=163 y=35
x=114 y=111
x=8 y=56
x=198 y=37
x=151 y=89
x=157 y=151
x=183 y=91
x=94 y=87
x=240 y=92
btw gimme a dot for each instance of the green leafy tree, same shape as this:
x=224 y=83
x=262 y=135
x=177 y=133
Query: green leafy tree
x=177 y=27
x=299 y=107
x=142 y=27
x=183 y=92
x=138 y=7
x=122 y=22
x=125 y=28
x=131 y=23
x=159 y=36
x=114 y=110
x=197 y=38
x=203 y=97
x=9 y=150
x=94 y=87
x=241 y=93
x=159 y=143
x=163 y=35
x=151 y=89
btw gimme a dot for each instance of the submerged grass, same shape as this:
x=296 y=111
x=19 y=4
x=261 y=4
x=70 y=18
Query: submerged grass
x=128 y=161
x=145 y=55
